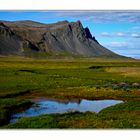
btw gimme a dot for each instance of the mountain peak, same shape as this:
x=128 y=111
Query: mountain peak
x=2 y=24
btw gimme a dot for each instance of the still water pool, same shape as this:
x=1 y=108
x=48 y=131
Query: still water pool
x=50 y=106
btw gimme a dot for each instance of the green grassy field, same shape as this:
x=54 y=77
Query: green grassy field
x=70 y=78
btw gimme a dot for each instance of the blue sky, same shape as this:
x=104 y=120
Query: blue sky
x=116 y=30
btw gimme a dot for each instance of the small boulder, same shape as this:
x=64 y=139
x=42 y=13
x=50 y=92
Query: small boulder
x=136 y=85
x=123 y=84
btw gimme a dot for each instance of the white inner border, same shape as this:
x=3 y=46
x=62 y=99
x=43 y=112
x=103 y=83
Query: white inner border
x=69 y=5
x=69 y=135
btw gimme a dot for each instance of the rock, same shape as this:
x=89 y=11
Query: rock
x=123 y=84
x=136 y=85
x=23 y=37
x=11 y=43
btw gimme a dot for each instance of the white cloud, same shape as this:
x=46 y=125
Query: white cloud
x=129 y=34
x=102 y=16
x=126 y=48
x=106 y=34
x=116 y=44
x=120 y=34
x=127 y=44
x=116 y=34
x=135 y=35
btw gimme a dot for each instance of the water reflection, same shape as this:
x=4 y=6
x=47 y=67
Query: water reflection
x=50 y=106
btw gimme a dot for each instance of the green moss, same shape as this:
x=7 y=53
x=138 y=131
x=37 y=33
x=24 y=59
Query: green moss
x=9 y=106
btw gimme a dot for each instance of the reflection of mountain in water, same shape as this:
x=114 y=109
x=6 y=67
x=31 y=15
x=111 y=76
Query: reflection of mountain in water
x=64 y=101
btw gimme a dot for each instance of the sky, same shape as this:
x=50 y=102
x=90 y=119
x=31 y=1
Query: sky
x=118 y=31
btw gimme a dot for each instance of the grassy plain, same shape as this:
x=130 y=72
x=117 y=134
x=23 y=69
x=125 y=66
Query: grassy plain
x=87 y=78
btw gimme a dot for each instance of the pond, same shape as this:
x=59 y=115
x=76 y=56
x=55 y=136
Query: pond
x=50 y=106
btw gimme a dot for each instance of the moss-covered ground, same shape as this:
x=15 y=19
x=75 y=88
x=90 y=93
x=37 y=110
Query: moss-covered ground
x=86 y=78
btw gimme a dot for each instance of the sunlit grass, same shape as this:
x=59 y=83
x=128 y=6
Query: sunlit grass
x=127 y=71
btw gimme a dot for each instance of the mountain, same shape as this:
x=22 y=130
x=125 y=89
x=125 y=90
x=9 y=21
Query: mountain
x=25 y=37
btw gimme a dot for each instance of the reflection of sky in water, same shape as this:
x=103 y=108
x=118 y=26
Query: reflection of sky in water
x=46 y=106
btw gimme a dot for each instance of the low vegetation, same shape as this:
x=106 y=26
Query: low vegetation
x=9 y=106
x=127 y=71
x=71 y=78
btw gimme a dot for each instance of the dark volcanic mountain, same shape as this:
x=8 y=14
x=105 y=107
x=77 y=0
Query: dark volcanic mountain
x=25 y=37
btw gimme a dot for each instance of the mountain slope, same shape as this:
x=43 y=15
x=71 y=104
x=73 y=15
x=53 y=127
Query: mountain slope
x=22 y=37
x=9 y=42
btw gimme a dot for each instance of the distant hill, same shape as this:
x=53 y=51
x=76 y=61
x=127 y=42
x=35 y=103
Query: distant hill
x=70 y=38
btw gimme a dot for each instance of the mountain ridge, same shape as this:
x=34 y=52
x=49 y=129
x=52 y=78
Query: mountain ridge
x=57 y=38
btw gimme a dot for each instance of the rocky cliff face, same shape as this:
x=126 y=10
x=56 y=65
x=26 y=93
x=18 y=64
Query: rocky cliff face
x=22 y=37
x=9 y=42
